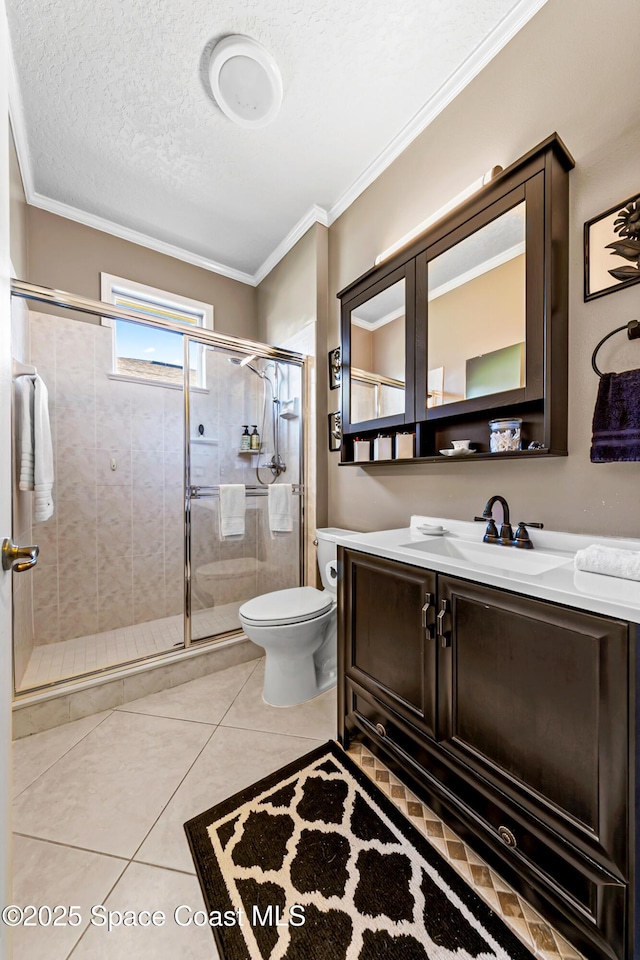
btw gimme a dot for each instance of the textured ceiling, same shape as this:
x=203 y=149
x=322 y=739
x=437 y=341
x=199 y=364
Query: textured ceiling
x=121 y=124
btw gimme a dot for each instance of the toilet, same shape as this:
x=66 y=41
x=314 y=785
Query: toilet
x=298 y=630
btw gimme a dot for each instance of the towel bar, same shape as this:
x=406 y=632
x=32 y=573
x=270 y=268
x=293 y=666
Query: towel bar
x=197 y=493
x=633 y=333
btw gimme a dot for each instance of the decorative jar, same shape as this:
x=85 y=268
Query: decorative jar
x=505 y=435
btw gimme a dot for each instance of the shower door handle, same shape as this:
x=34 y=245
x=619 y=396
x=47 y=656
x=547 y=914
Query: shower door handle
x=18 y=559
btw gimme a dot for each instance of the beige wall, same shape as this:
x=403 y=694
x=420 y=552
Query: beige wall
x=361 y=348
x=573 y=69
x=293 y=308
x=70 y=256
x=17 y=214
x=387 y=349
x=379 y=351
x=286 y=298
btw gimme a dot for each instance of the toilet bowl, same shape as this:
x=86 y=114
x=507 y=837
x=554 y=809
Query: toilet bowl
x=298 y=630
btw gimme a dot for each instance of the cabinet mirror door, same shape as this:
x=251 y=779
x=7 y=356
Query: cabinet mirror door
x=476 y=306
x=378 y=353
x=482 y=303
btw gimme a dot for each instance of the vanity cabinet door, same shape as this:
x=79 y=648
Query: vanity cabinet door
x=534 y=698
x=387 y=627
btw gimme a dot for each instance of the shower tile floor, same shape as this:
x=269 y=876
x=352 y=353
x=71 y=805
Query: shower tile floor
x=74 y=658
x=89 y=830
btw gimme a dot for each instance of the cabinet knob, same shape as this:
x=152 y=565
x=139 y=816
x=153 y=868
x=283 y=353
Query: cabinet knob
x=381 y=730
x=507 y=836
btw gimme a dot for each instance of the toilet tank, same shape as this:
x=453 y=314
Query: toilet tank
x=328 y=554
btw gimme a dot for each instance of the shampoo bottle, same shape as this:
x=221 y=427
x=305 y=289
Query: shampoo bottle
x=255 y=438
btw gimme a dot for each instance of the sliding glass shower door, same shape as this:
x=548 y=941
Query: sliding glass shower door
x=232 y=552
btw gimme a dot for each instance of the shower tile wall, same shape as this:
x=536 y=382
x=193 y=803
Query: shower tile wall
x=235 y=397
x=280 y=553
x=112 y=554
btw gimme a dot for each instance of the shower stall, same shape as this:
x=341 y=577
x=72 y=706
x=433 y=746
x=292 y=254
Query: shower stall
x=132 y=563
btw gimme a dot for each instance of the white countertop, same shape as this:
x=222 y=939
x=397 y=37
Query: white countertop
x=611 y=596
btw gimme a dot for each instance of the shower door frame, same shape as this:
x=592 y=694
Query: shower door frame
x=201 y=491
x=97 y=308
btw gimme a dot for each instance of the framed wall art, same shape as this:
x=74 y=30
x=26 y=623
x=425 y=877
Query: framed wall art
x=612 y=249
x=335 y=369
x=335 y=431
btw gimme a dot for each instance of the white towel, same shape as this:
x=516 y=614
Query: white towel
x=24 y=397
x=42 y=453
x=609 y=561
x=232 y=509
x=280 y=513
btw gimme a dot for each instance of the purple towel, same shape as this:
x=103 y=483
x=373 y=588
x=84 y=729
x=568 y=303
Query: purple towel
x=616 y=418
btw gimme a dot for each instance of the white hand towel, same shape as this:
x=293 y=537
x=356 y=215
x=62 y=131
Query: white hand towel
x=232 y=509
x=43 y=453
x=280 y=508
x=609 y=561
x=24 y=398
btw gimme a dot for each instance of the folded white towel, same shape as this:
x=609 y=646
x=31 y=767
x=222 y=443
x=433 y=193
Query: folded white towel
x=609 y=561
x=280 y=508
x=24 y=412
x=232 y=509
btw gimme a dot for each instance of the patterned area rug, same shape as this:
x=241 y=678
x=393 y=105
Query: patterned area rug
x=315 y=863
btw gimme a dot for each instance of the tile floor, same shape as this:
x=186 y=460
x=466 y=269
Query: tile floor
x=73 y=658
x=100 y=805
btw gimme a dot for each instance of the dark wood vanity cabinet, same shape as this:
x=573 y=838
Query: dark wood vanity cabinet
x=514 y=719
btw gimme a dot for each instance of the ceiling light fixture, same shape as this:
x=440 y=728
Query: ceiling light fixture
x=246 y=81
x=439 y=213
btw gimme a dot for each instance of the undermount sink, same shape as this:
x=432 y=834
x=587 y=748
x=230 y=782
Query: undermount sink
x=491 y=555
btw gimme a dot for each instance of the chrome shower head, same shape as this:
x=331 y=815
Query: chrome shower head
x=244 y=362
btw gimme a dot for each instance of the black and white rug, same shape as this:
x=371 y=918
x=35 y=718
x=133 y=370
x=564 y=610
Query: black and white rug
x=315 y=863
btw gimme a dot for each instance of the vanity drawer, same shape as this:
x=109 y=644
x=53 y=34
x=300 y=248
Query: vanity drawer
x=520 y=847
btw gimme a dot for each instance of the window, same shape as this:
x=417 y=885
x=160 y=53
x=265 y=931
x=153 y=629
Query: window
x=144 y=352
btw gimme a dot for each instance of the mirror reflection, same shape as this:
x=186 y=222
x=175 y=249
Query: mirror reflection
x=477 y=313
x=378 y=355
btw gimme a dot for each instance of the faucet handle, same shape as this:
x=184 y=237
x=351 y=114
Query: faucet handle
x=491 y=533
x=522 y=534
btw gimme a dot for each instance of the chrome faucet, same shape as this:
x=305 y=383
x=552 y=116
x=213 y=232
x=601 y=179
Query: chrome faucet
x=506 y=536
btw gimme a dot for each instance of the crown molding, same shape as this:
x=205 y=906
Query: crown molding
x=142 y=239
x=315 y=214
x=465 y=73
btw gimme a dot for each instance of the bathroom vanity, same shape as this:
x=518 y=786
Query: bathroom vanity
x=503 y=690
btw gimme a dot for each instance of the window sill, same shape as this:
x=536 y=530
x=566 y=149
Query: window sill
x=165 y=384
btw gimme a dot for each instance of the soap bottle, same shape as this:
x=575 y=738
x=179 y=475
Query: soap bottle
x=255 y=438
x=245 y=439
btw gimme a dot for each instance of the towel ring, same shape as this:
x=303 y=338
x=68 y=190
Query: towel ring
x=633 y=333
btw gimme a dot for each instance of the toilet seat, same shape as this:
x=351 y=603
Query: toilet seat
x=295 y=605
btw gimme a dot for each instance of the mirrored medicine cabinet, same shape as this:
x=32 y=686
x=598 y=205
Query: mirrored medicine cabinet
x=468 y=323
